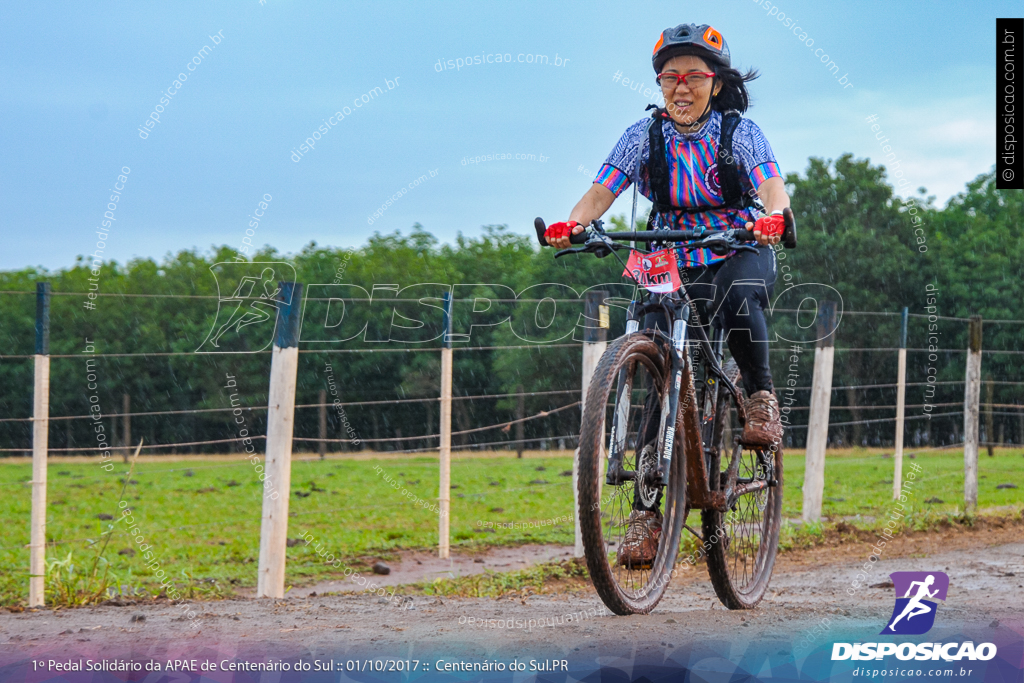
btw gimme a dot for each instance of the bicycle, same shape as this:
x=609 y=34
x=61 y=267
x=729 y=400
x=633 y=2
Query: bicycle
x=635 y=394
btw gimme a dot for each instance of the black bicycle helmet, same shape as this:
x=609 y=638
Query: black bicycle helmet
x=689 y=39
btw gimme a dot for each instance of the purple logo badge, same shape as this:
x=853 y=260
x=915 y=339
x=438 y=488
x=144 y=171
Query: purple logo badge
x=916 y=593
x=711 y=179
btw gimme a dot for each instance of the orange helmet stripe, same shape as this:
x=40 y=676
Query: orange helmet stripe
x=661 y=41
x=713 y=38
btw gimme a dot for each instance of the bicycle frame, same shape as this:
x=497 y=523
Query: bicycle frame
x=698 y=448
x=677 y=309
x=671 y=365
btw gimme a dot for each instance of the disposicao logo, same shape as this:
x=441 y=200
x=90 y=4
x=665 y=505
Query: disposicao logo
x=914 y=612
x=949 y=652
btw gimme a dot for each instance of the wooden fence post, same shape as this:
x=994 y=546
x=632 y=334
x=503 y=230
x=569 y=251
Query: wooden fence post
x=445 y=483
x=1020 y=421
x=126 y=424
x=817 y=421
x=520 y=425
x=990 y=432
x=595 y=341
x=323 y=424
x=972 y=393
x=901 y=394
x=284 y=367
x=40 y=436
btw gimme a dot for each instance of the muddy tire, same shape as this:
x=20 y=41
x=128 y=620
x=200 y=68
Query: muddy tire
x=744 y=539
x=646 y=371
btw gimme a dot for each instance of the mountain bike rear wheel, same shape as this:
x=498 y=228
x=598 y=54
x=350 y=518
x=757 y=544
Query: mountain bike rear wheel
x=623 y=409
x=744 y=540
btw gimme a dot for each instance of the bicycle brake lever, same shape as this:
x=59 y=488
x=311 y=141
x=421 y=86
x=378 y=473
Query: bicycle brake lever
x=719 y=247
x=717 y=244
x=606 y=248
x=600 y=247
x=563 y=252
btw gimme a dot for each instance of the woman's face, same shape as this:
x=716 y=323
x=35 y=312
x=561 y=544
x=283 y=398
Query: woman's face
x=685 y=103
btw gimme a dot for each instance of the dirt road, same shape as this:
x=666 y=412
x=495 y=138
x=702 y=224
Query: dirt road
x=809 y=590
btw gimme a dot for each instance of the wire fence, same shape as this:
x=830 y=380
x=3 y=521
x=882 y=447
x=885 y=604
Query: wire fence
x=503 y=418
x=145 y=295
x=839 y=429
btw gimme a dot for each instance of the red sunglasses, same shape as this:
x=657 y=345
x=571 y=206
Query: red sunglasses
x=694 y=79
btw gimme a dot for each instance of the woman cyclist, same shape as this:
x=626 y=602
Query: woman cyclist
x=680 y=159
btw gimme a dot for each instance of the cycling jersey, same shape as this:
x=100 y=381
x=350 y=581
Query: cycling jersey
x=693 y=173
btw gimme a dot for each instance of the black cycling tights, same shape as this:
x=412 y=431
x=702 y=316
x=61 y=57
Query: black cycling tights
x=737 y=291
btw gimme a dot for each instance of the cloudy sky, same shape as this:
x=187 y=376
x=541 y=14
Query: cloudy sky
x=80 y=80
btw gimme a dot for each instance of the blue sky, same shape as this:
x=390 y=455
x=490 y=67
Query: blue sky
x=79 y=79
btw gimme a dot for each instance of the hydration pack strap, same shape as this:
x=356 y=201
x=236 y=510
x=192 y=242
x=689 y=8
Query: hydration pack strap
x=657 y=162
x=728 y=169
x=728 y=166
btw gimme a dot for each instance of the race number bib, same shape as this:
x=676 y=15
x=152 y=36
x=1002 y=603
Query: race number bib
x=656 y=272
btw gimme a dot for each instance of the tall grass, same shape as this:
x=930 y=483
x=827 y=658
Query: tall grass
x=73 y=584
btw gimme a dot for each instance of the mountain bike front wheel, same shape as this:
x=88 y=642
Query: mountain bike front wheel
x=623 y=410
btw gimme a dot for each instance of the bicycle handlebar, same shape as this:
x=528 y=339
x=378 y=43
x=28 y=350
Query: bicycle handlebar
x=737 y=235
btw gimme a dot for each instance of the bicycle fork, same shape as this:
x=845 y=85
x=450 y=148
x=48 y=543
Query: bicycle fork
x=618 y=438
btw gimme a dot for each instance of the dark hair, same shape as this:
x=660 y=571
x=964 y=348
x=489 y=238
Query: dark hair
x=733 y=94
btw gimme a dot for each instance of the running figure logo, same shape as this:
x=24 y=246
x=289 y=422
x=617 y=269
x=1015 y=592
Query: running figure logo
x=914 y=612
x=246 y=317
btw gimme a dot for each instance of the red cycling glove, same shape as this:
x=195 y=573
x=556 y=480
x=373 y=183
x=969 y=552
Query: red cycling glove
x=559 y=230
x=771 y=226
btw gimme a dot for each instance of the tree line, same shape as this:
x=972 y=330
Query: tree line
x=877 y=250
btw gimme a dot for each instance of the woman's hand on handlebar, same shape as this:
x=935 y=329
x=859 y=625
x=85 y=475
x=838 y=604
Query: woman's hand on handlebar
x=557 y=234
x=588 y=209
x=768 y=229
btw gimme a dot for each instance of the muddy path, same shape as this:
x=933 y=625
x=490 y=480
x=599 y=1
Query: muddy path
x=810 y=589
x=414 y=566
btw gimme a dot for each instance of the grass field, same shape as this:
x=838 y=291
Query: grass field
x=201 y=516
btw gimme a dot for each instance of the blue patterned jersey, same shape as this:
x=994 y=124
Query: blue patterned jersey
x=693 y=173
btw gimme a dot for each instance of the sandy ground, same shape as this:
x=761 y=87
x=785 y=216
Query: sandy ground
x=809 y=589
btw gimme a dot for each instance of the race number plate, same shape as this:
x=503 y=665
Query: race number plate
x=655 y=272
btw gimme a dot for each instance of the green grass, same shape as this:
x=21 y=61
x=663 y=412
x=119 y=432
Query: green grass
x=204 y=528
x=496 y=584
x=859 y=482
